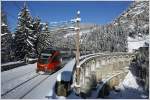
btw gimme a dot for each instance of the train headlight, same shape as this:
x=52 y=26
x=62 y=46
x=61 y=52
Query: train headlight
x=60 y=59
x=46 y=68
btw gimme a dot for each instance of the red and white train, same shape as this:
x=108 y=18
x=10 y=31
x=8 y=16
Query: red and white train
x=52 y=59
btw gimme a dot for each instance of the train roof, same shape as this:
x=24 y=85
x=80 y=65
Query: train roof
x=56 y=48
x=51 y=49
x=59 y=49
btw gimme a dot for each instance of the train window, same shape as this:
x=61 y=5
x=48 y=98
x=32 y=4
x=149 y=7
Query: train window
x=56 y=58
x=47 y=51
x=44 y=58
x=43 y=61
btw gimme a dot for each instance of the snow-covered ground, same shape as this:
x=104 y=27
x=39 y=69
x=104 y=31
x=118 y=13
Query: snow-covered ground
x=136 y=43
x=22 y=90
x=17 y=72
x=24 y=82
x=13 y=78
x=9 y=84
x=129 y=89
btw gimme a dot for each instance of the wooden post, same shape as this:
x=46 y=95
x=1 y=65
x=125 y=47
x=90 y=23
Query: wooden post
x=77 y=47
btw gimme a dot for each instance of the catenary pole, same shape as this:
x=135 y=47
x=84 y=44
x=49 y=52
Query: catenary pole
x=77 y=47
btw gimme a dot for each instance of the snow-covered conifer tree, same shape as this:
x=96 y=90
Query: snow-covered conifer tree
x=44 y=38
x=34 y=37
x=24 y=34
x=6 y=40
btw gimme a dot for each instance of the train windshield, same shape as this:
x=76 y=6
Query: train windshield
x=44 y=57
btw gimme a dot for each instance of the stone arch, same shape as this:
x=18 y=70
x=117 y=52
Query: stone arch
x=93 y=65
x=121 y=61
x=98 y=61
x=82 y=76
x=83 y=65
x=114 y=58
x=111 y=59
x=103 y=60
x=127 y=56
x=108 y=59
x=121 y=57
x=133 y=57
x=86 y=71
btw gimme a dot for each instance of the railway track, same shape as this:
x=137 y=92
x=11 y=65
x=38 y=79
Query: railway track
x=19 y=91
x=8 y=91
x=25 y=87
x=14 y=78
x=13 y=74
x=34 y=87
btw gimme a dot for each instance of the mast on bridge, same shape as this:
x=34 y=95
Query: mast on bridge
x=78 y=19
x=77 y=38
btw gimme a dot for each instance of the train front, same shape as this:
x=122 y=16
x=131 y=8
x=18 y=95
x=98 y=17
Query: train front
x=48 y=61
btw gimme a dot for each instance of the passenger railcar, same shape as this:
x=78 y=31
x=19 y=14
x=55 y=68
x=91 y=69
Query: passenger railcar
x=49 y=60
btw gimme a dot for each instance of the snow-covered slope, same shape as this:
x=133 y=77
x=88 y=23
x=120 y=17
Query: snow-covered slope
x=135 y=43
x=135 y=19
x=133 y=22
x=129 y=89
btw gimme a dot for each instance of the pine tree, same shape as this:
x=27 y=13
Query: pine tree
x=44 y=38
x=6 y=40
x=24 y=34
x=34 y=37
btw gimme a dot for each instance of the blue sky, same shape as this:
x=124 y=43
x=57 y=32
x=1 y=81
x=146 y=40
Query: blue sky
x=98 y=12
